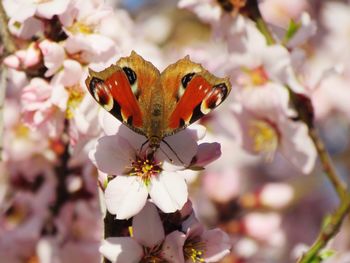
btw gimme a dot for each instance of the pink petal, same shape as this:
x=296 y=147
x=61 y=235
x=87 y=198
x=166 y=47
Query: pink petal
x=207 y=153
x=70 y=74
x=121 y=250
x=192 y=227
x=217 y=243
x=183 y=144
x=53 y=56
x=224 y=185
x=109 y=123
x=125 y=196
x=296 y=145
x=113 y=154
x=54 y=7
x=172 y=249
x=147 y=227
x=168 y=191
x=27 y=29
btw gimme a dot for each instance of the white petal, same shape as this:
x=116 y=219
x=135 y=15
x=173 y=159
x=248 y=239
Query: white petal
x=168 y=191
x=296 y=145
x=121 y=250
x=147 y=226
x=125 y=196
x=113 y=154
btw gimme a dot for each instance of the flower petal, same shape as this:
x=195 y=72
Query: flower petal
x=207 y=153
x=296 y=145
x=183 y=144
x=121 y=249
x=112 y=154
x=147 y=227
x=168 y=191
x=217 y=246
x=125 y=196
x=172 y=249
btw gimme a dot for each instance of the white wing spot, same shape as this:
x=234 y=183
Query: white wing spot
x=116 y=83
x=200 y=87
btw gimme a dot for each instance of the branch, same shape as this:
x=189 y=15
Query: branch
x=328 y=231
x=9 y=45
x=328 y=166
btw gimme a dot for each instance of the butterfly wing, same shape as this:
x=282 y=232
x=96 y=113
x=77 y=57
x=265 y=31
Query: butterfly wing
x=124 y=90
x=190 y=92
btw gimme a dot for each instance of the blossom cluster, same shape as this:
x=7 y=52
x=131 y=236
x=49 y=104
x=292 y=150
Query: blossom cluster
x=77 y=185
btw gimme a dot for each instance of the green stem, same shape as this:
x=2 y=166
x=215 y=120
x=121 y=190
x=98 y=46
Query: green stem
x=263 y=28
x=327 y=165
x=327 y=232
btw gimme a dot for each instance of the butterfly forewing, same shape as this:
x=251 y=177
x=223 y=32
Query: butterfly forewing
x=124 y=90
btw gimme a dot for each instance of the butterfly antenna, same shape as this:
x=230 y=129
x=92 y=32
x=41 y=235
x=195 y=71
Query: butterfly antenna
x=173 y=152
x=171 y=160
x=142 y=146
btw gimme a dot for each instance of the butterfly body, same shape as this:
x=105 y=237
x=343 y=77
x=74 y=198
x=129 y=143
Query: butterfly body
x=156 y=104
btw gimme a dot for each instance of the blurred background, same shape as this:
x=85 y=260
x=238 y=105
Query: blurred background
x=270 y=209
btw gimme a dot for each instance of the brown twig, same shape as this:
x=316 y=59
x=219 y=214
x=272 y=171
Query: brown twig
x=8 y=48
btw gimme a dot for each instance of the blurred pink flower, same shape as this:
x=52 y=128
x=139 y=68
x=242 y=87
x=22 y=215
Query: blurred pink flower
x=65 y=71
x=280 y=12
x=264 y=227
x=222 y=186
x=208 y=10
x=43 y=106
x=20 y=10
x=25 y=58
x=266 y=131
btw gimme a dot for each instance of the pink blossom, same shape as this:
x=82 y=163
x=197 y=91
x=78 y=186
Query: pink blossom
x=43 y=105
x=20 y=10
x=267 y=130
x=222 y=186
x=24 y=59
x=199 y=244
x=67 y=72
x=127 y=193
x=263 y=227
x=276 y=195
x=145 y=242
x=279 y=12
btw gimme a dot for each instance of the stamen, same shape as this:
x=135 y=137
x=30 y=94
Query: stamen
x=144 y=168
x=194 y=250
x=265 y=138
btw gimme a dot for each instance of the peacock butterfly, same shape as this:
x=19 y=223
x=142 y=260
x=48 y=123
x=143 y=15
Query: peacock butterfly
x=157 y=104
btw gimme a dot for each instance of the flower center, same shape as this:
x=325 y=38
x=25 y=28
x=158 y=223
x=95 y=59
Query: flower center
x=194 y=250
x=76 y=95
x=145 y=168
x=255 y=77
x=80 y=27
x=153 y=255
x=265 y=138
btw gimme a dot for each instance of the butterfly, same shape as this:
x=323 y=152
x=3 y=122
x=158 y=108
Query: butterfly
x=156 y=104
